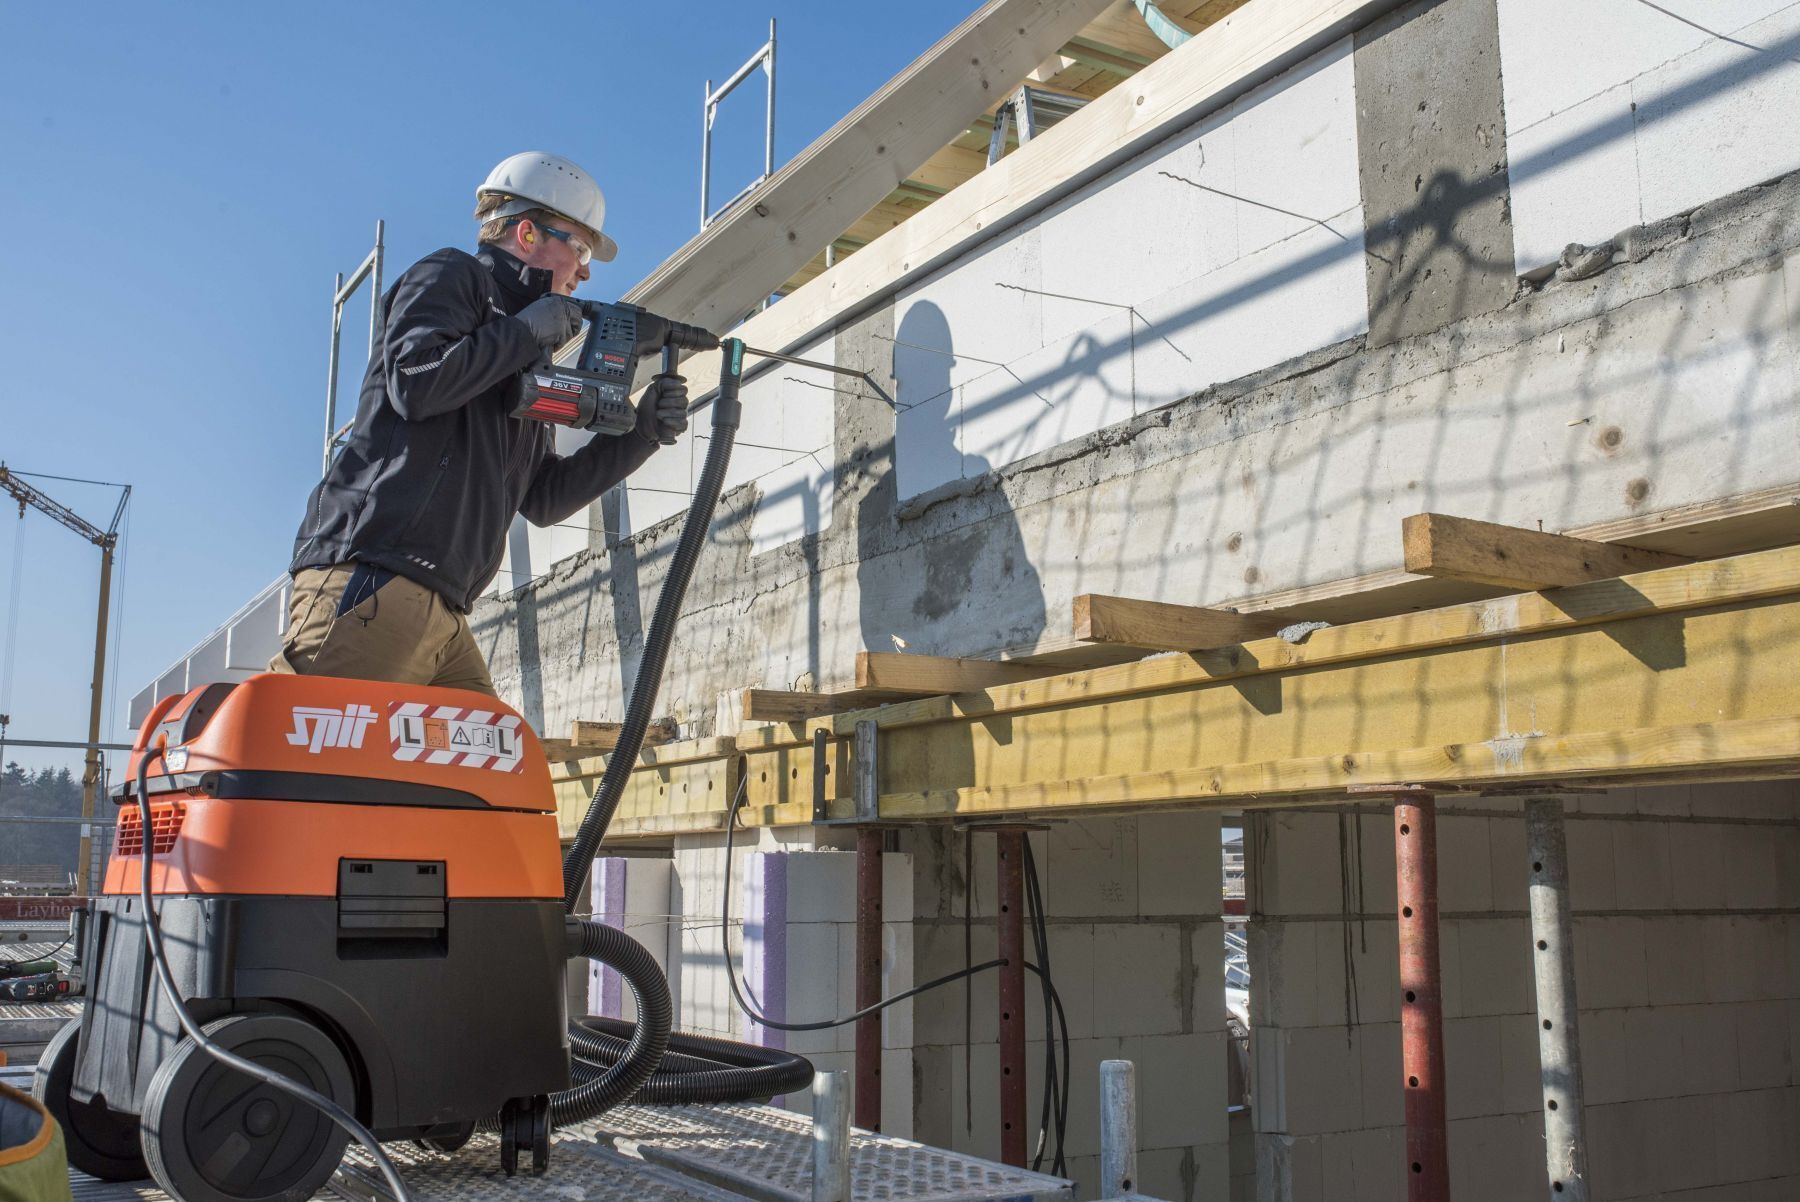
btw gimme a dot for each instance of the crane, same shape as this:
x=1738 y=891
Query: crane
x=107 y=540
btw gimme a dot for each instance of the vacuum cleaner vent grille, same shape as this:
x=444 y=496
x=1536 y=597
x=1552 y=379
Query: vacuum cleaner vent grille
x=165 y=826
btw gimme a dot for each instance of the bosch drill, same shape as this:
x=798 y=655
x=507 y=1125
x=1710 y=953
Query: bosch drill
x=594 y=392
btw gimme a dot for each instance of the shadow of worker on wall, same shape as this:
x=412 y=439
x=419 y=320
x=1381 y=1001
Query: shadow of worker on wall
x=954 y=579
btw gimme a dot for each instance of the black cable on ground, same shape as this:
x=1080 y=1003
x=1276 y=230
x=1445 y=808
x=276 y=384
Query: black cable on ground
x=49 y=955
x=159 y=959
x=1055 y=1085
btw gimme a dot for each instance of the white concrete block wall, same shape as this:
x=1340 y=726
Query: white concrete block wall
x=1232 y=246
x=1136 y=953
x=1618 y=114
x=1688 y=976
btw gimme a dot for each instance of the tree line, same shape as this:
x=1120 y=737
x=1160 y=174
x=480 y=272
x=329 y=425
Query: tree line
x=48 y=792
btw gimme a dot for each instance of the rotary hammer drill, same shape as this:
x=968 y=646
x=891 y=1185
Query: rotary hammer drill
x=594 y=392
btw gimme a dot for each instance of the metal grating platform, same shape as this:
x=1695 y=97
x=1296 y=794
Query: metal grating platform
x=671 y=1154
x=766 y=1152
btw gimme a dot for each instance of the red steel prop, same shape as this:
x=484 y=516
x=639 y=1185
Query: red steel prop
x=1421 y=1002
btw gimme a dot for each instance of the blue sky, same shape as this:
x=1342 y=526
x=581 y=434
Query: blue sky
x=183 y=180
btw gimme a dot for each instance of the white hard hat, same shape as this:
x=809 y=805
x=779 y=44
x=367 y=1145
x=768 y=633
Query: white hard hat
x=537 y=179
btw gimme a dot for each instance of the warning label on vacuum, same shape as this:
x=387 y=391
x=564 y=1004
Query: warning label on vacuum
x=447 y=734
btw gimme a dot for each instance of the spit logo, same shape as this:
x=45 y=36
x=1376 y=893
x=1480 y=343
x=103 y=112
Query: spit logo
x=453 y=735
x=319 y=727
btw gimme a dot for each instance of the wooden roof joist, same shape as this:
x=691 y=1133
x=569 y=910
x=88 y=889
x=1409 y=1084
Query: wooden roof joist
x=729 y=267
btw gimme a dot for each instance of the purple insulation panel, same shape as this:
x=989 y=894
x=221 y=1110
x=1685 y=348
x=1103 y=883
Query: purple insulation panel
x=765 y=944
x=605 y=986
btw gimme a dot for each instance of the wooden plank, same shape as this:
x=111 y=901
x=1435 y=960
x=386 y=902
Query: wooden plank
x=1159 y=626
x=604 y=736
x=1736 y=525
x=596 y=738
x=1217 y=66
x=1664 y=593
x=1509 y=557
x=737 y=261
x=929 y=675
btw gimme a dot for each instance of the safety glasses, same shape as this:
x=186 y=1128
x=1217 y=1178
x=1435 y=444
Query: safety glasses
x=580 y=247
x=576 y=244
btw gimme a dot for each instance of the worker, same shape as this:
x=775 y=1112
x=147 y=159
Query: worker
x=409 y=524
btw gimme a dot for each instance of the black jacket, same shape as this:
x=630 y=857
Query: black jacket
x=434 y=468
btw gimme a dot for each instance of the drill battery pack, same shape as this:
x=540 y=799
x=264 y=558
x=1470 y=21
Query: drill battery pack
x=567 y=396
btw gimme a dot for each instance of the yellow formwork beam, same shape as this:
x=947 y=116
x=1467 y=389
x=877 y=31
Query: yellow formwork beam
x=1680 y=673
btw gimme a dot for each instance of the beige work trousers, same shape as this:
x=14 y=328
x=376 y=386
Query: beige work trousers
x=405 y=633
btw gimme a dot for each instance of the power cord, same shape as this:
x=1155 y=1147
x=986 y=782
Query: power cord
x=754 y=1013
x=153 y=936
x=1056 y=1084
x=49 y=955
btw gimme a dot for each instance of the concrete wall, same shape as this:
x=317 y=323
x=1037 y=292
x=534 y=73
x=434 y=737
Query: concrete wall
x=1687 y=936
x=1327 y=336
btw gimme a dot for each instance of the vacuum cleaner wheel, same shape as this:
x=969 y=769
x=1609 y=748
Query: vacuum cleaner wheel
x=211 y=1134
x=102 y=1143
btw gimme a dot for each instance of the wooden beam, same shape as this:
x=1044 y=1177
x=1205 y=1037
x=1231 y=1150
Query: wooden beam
x=1514 y=558
x=930 y=675
x=1158 y=626
x=768 y=236
x=597 y=738
x=1755 y=749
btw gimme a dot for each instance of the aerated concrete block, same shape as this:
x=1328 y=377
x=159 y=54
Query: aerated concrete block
x=1764 y=1047
x=1364 y=1166
x=1181 y=1088
x=1642 y=869
x=1752 y=881
x=1700 y=850
x=1610 y=967
x=1320 y=1071
x=1296 y=871
x=1145 y=991
x=1496 y=1158
x=1593 y=867
x=1472 y=1067
x=1465 y=865
x=1174 y=860
x=1091 y=869
x=1494 y=962
x=1673 y=948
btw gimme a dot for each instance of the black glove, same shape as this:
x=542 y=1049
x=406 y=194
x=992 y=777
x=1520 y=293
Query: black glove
x=553 y=319
x=662 y=410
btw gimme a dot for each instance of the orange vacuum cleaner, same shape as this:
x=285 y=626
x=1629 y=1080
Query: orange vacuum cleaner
x=356 y=887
